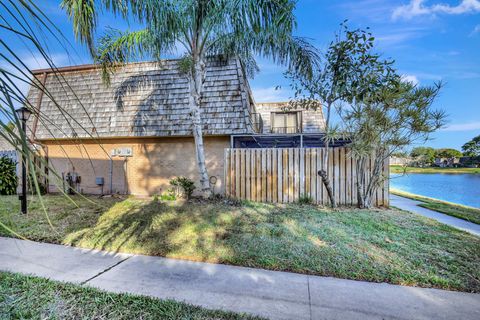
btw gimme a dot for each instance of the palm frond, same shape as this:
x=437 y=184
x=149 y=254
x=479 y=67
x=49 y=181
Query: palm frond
x=118 y=48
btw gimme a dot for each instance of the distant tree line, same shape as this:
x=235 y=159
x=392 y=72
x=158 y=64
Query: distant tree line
x=427 y=155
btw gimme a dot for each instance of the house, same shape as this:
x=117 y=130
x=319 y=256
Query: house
x=133 y=136
x=446 y=162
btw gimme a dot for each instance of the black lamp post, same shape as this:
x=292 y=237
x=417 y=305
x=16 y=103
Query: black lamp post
x=23 y=114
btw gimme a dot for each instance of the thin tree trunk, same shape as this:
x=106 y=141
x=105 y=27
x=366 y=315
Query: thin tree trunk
x=323 y=172
x=360 y=169
x=375 y=176
x=196 y=87
x=365 y=193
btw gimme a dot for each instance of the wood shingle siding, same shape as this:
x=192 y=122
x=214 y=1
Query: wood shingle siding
x=148 y=99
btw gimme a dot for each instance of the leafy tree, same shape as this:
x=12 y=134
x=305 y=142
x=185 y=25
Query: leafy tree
x=334 y=82
x=447 y=153
x=230 y=28
x=472 y=147
x=385 y=115
x=400 y=154
x=424 y=155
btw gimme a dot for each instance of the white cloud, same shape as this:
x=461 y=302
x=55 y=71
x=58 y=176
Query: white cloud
x=270 y=94
x=453 y=53
x=475 y=30
x=399 y=36
x=410 y=78
x=468 y=126
x=418 y=8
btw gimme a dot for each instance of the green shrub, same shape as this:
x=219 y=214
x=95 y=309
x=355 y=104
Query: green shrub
x=168 y=196
x=8 y=176
x=305 y=199
x=183 y=186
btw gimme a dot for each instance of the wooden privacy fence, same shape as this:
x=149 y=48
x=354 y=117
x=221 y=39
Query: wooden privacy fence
x=285 y=174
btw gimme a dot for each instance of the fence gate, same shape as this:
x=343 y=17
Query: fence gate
x=285 y=174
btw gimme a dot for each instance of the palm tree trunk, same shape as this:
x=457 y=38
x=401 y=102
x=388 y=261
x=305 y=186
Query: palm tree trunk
x=196 y=81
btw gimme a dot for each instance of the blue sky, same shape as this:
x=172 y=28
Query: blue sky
x=430 y=40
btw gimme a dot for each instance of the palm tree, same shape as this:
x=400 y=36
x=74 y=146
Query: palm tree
x=232 y=28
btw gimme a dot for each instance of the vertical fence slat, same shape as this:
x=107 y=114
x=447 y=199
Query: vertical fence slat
x=348 y=178
x=258 y=158
x=290 y=174
x=354 y=180
x=302 y=172
x=226 y=173
x=253 y=175
x=264 y=175
x=308 y=175
x=285 y=175
x=274 y=175
x=242 y=174
x=336 y=173
x=237 y=173
x=280 y=175
x=269 y=175
x=314 y=175
x=341 y=165
x=296 y=176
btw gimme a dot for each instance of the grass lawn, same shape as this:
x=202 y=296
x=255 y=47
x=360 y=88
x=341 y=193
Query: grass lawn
x=452 y=209
x=375 y=245
x=402 y=169
x=25 y=297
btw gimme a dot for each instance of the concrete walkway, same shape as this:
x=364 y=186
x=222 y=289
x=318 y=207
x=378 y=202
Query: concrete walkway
x=412 y=206
x=275 y=295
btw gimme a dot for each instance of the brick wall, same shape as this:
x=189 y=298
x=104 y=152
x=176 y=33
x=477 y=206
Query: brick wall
x=154 y=162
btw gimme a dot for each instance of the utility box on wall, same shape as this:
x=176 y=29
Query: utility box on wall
x=122 y=152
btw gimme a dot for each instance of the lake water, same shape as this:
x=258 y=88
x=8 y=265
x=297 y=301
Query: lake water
x=458 y=188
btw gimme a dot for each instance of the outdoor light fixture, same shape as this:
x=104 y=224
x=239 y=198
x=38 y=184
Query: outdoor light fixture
x=23 y=114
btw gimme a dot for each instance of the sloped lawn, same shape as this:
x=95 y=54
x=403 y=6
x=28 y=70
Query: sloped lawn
x=452 y=209
x=24 y=297
x=375 y=245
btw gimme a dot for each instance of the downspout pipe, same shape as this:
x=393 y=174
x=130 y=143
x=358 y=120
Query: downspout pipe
x=111 y=175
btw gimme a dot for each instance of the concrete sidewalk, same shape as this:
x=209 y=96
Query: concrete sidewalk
x=275 y=295
x=412 y=206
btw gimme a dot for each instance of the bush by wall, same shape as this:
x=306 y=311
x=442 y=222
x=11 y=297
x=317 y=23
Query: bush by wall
x=184 y=186
x=8 y=176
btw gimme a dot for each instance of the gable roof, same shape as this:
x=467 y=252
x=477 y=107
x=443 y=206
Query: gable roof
x=146 y=99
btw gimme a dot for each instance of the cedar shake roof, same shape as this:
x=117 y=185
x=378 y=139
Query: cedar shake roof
x=146 y=99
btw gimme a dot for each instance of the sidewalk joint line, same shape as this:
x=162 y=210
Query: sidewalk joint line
x=102 y=272
x=309 y=297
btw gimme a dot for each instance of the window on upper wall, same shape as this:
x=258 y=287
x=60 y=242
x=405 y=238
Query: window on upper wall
x=286 y=122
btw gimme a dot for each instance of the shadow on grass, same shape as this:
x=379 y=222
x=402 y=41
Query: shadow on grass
x=186 y=230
